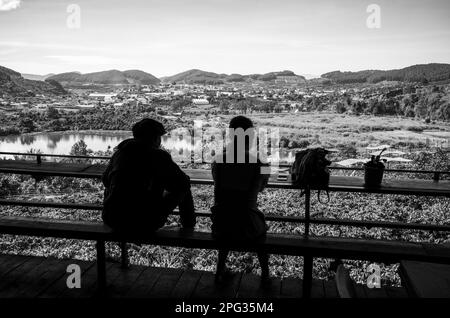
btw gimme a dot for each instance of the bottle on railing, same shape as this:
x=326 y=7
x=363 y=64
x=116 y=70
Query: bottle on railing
x=373 y=171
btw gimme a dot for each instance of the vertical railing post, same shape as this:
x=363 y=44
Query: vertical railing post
x=124 y=254
x=38 y=159
x=436 y=176
x=101 y=267
x=307 y=210
x=307 y=259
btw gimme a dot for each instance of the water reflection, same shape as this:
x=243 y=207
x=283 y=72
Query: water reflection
x=181 y=144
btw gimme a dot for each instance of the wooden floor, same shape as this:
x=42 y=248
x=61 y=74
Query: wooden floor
x=38 y=277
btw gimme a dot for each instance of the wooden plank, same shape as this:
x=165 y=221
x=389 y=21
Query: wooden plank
x=251 y=286
x=360 y=290
x=53 y=228
x=88 y=284
x=59 y=286
x=9 y=258
x=287 y=244
x=317 y=288
x=330 y=289
x=427 y=280
x=291 y=288
x=396 y=292
x=41 y=277
x=186 y=284
x=19 y=276
x=269 y=217
x=144 y=283
x=376 y=292
x=10 y=262
x=208 y=288
x=436 y=250
x=165 y=283
x=120 y=280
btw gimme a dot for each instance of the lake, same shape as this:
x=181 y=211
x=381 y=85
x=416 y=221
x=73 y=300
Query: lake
x=61 y=143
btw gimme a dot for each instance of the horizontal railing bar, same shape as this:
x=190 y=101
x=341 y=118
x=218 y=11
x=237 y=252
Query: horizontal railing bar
x=195 y=181
x=280 y=165
x=54 y=155
x=269 y=217
x=275 y=184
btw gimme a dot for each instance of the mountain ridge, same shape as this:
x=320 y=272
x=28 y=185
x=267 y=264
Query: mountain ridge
x=430 y=72
x=196 y=76
x=111 y=77
x=13 y=83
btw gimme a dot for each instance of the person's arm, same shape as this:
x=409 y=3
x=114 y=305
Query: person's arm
x=105 y=175
x=174 y=179
x=178 y=187
x=263 y=178
x=215 y=175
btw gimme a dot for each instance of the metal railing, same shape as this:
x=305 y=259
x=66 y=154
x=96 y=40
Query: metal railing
x=307 y=220
x=270 y=217
x=436 y=173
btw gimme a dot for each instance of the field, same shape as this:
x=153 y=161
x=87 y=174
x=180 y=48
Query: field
x=331 y=129
x=326 y=129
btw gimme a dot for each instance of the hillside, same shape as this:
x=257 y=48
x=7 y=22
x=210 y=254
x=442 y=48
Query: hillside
x=140 y=77
x=12 y=83
x=196 y=76
x=416 y=73
x=111 y=77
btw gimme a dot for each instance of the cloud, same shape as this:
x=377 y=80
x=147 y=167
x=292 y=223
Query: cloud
x=7 y=5
x=86 y=59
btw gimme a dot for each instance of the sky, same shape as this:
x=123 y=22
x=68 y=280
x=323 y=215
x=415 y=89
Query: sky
x=165 y=37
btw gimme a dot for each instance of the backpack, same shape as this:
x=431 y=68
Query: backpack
x=310 y=170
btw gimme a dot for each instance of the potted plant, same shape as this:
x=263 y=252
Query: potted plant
x=373 y=170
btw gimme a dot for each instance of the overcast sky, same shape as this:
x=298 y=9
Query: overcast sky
x=164 y=37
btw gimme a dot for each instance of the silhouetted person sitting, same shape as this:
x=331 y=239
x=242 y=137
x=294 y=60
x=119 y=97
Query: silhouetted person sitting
x=235 y=214
x=143 y=184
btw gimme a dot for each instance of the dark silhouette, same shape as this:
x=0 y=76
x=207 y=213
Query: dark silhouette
x=235 y=214
x=143 y=184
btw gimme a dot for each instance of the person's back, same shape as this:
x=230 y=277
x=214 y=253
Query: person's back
x=143 y=185
x=235 y=214
x=235 y=211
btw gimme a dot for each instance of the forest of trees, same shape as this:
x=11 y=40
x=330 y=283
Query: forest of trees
x=423 y=73
x=434 y=104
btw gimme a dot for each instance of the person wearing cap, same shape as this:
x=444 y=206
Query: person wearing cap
x=143 y=185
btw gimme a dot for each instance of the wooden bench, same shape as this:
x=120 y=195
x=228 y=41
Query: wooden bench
x=308 y=247
x=327 y=247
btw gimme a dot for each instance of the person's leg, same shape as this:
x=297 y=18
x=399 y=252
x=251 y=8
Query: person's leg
x=263 y=258
x=185 y=203
x=187 y=210
x=221 y=261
